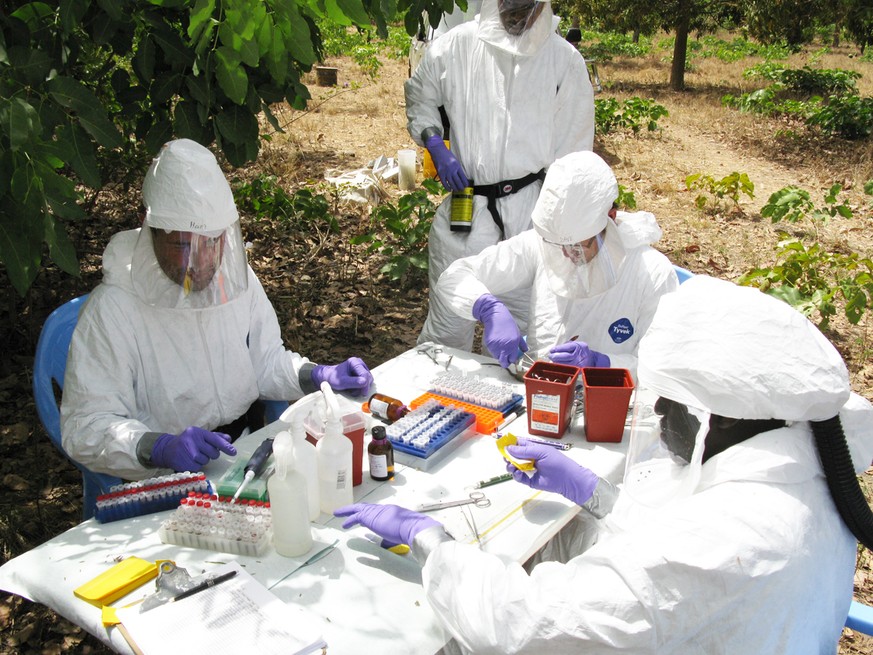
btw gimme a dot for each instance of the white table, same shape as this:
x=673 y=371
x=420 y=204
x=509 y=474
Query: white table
x=369 y=599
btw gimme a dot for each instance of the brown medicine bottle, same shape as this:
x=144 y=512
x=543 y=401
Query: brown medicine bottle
x=387 y=408
x=380 y=454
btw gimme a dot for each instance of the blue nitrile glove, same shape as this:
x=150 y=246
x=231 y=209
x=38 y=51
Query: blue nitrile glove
x=501 y=334
x=393 y=523
x=448 y=167
x=352 y=375
x=554 y=471
x=577 y=353
x=190 y=450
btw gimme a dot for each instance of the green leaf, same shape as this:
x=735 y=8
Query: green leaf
x=175 y=50
x=144 y=60
x=164 y=87
x=35 y=14
x=159 y=133
x=186 y=122
x=61 y=249
x=201 y=14
x=232 y=78
x=237 y=126
x=71 y=13
x=21 y=234
x=112 y=8
x=239 y=155
x=354 y=10
x=79 y=154
x=295 y=31
x=24 y=125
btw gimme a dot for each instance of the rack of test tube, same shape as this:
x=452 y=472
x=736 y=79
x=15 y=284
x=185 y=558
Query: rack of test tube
x=487 y=400
x=148 y=496
x=212 y=523
x=427 y=429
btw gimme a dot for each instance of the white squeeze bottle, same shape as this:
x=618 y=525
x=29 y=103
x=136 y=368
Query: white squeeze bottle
x=334 y=451
x=305 y=458
x=289 y=507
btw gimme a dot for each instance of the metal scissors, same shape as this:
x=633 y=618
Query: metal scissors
x=476 y=498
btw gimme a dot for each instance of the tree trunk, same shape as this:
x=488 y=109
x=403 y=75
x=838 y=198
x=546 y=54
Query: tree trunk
x=636 y=37
x=680 y=47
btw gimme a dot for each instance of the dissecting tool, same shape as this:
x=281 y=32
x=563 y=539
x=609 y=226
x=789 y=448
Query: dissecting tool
x=476 y=498
x=497 y=479
x=255 y=465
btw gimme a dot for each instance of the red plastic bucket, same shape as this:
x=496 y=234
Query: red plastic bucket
x=607 y=398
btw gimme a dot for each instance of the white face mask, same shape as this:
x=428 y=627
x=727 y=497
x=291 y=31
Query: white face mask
x=583 y=270
x=665 y=453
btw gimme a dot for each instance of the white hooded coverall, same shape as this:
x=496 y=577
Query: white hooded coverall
x=755 y=559
x=612 y=322
x=511 y=113
x=134 y=368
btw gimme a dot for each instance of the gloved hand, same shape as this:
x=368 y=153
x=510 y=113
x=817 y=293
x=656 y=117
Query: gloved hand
x=352 y=375
x=395 y=524
x=190 y=450
x=554 y=471
x=448 y=167
x=577 y=353
x=501 y=335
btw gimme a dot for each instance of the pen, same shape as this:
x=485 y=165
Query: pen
x=510 y=418
x=211 y=582
x=497 y=479
x=560 y=445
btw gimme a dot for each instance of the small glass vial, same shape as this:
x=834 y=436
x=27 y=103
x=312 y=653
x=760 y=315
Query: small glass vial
x=387 y=408
x=380 y=454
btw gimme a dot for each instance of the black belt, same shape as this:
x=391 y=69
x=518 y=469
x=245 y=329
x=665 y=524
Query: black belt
x=253 y=419
x=503 y=189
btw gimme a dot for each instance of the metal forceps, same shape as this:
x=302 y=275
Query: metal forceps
x=434 y=352
x=476 y=498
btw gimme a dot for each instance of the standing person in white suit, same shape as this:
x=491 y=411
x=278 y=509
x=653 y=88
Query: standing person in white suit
x=733 y=529
x=178 y=344
x=517 y=96
x=591 y=272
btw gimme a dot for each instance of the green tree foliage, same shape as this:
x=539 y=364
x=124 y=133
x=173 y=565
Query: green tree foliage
x=84 y=82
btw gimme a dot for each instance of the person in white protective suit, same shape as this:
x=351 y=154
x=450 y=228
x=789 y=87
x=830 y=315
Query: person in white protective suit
x=594 y=280
x=516 y=96
x=725 y=536
x=175 y=347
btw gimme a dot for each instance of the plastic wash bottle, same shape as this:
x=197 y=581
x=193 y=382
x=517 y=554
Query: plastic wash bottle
x=334 y=451
x=305 y=458
x=289 y=507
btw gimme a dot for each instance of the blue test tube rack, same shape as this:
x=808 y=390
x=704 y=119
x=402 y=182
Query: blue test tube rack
x=158 y=494
x=428 y=428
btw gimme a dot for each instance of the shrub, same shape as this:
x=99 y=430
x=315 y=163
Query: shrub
x=634 y=114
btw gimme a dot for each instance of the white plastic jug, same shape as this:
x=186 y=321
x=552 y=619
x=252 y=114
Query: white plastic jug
x=289 y=506
x=334 y=452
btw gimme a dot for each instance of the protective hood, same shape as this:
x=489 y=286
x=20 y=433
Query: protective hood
x=184 y=189
x=582 y=248
x=638 y=229
x=742 y=354
x=527 y=43
x=190 y=252
x=715 y=348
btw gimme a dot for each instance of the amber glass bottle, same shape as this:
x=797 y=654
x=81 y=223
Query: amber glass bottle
x=387 y=408
x=380 y=454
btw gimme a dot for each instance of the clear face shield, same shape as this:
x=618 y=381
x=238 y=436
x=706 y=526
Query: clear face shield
x=177 y=269
x=518 y=16
x=665 y=453
x=586 y=268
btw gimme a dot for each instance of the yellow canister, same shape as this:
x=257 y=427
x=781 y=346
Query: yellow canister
x=462 y=210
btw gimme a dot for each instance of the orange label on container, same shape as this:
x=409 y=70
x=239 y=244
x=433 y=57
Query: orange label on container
x=541 y=416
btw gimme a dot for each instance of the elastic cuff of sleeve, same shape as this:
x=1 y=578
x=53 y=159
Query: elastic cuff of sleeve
x=144 y=448
x=307 y=385
x=426 y=541
x=428 y=132
x=602 y=500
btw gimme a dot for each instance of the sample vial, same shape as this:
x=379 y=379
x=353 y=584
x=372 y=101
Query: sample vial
x=387 y=408
x=380 y=454
x=462 y=210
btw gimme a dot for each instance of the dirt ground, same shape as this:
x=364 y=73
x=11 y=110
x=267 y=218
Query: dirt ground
x=332 y=303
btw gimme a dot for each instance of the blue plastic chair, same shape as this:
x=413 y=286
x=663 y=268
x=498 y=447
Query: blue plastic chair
x=48 y=369
x=860 y=618
x=682 y=273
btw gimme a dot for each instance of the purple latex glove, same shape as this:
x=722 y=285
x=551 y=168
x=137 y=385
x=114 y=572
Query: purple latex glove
x=448 y=167
x=352 y=375
x=393 y=523
x=501 y=334
x=190 y=450
x=577 y=353
x=554 y=472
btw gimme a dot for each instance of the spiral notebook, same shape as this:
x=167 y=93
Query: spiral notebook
x=239 y=615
